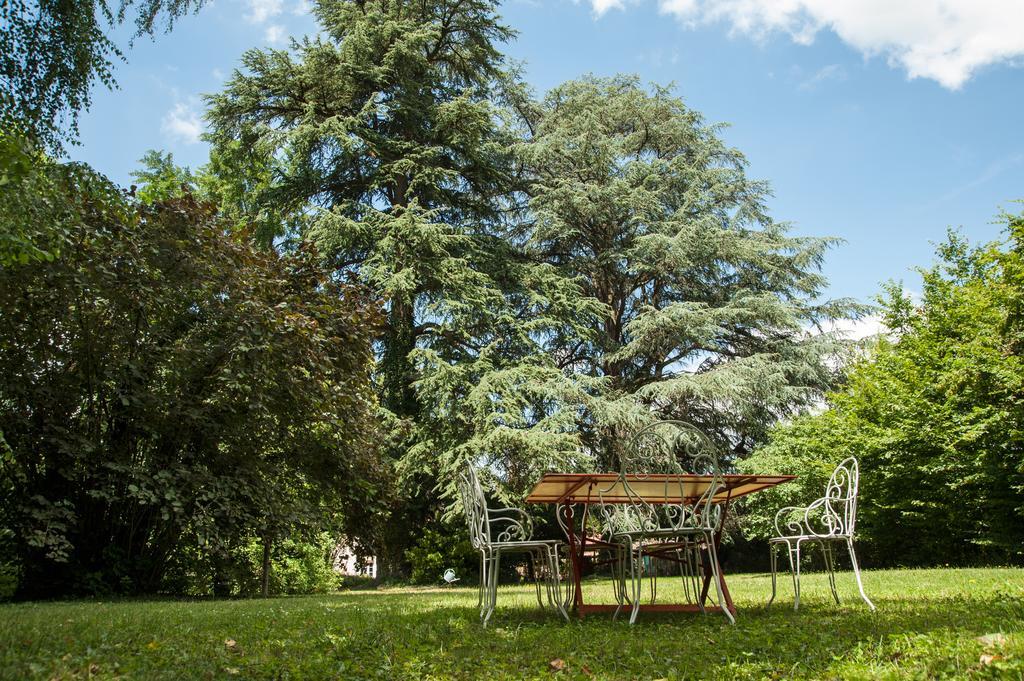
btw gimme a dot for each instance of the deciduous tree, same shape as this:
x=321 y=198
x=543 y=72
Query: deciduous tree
x=168 y=391
x=934 y=414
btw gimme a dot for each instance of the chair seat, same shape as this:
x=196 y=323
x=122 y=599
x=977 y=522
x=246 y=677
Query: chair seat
x=661 y=533
x=526 y=545
x=808 y=537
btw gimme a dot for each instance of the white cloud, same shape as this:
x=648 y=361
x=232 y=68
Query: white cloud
x=944 y=40
x=302 y=7
x=262 y=10
x=275 y=34
x=991 y=172
x=659 y=57
x=602 y=6
x=825 y=73
x=856 y=329
x=182 y=123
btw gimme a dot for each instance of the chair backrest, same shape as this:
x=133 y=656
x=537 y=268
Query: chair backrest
x=475 y=505
x=839 y=514
x=673 y=447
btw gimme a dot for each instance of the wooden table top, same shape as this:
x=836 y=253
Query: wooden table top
x=654 y=488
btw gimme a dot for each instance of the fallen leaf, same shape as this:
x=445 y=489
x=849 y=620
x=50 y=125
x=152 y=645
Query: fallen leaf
x=232 y=670
x=94 y=668
x=586 y=670
x=230 y=643
x=989 y=659
x=992 y=639
x=556 y=665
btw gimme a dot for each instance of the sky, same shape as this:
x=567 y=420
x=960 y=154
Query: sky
x=882 y=123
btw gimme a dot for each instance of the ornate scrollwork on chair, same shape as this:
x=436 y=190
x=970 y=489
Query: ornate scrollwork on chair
x=497 y=531
x=663 y=522
x=831 y=518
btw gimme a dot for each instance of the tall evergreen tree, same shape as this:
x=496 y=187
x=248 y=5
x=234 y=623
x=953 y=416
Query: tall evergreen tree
x=707 y=304
x=385 y=124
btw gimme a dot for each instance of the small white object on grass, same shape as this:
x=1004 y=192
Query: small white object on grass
x=449 y=576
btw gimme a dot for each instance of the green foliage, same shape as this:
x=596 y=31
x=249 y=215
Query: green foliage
x=34 y=213
x=169 y=391
x=53 y=53
x=934 y=415
x=297 y=566
x=159 y=179
x=439 y=549
x=930 y=624
x=9 y=569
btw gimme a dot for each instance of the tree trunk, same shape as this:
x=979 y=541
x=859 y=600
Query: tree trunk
x=265 y=574
x=399 y=395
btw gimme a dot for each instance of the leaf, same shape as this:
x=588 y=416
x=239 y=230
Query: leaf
x=987 y=659
x=556 y=665
x=992 y=640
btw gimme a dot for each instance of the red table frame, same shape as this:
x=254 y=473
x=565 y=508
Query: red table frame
x=577 y=489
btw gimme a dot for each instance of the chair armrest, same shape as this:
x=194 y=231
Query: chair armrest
x=828 y=518
x=511 y=524
x=793 y=525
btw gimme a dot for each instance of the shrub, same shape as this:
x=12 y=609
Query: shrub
x=439 y=549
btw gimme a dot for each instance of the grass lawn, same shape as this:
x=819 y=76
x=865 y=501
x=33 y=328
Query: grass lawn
x=929 y=624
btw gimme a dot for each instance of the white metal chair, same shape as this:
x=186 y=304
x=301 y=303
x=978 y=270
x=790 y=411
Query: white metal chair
x=832 y=518
x=645 y=531
x=497 y=531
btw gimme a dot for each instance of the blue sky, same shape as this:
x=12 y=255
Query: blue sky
x=880 y=123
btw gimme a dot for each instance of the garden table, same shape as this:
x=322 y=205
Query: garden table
x=570 y=490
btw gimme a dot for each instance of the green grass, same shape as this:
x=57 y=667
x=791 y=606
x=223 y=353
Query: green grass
x=928 y=625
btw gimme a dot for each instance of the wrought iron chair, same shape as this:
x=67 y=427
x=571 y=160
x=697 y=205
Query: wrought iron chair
x=672 y=530
x=600 y=551
x=832 y=518
x=497 y=531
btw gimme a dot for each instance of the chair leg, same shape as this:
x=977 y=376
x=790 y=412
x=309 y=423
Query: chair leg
x=794 y=571
x=486 y=589
x=826 y=550
x=535 y=562
x=856 y=573
x=483 y=581
x=636 y=573
x=492 y=586
x=549 y=581
x=555 y=580
x=570 y=582
x=549 y=573
x=716 y=575
x=683 y=558
x=620 y=580
x=652 y=577
x=696 y=573
x=773 y=551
